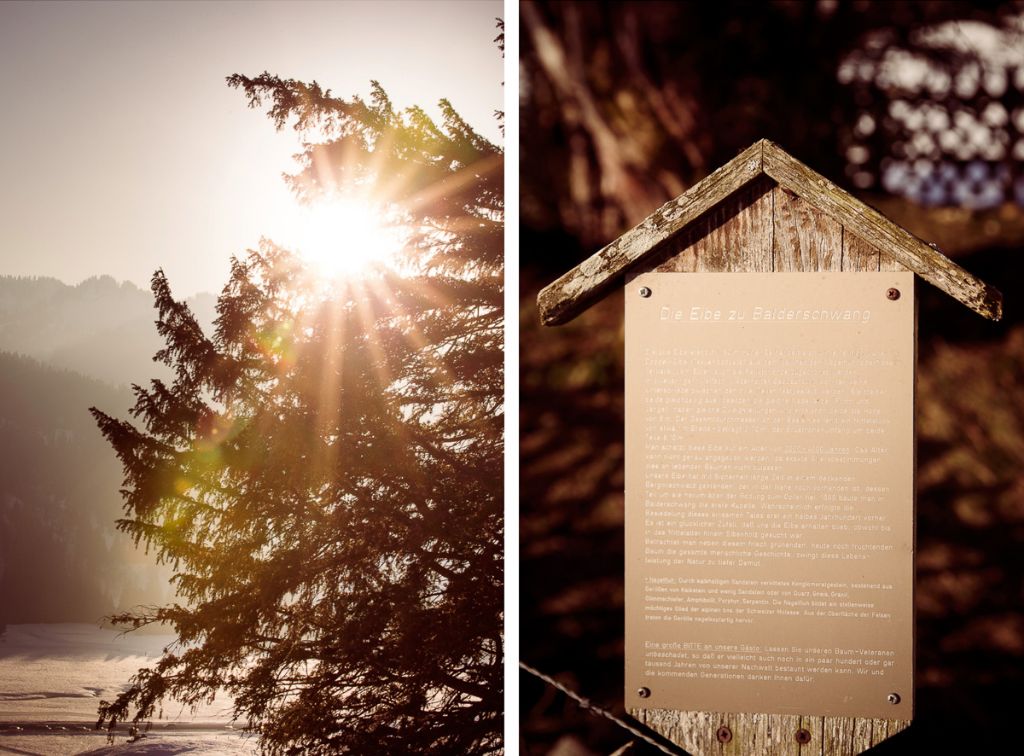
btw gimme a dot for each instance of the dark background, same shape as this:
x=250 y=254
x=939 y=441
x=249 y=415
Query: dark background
x=918 y=109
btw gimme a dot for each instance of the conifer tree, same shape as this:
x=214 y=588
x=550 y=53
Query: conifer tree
x=324 y=472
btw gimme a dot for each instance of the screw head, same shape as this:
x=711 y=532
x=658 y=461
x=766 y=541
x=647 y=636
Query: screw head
x=644 y=692
x=645 y=291
x=724 y=734
x=893 y=698
x=803 y=736
x=893 y=294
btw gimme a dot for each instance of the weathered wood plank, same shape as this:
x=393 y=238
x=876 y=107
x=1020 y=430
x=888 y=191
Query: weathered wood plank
x=735 y=235
x=815 y=726
x=762 y=733
x=879 y=732
x=562 y=300
x=858 y=255
x=693 y=730
x=681 y=256
x=750 y=732
x=874 y=228
x=738 y=234
x=745 y=735
x=768 y=734
x=837 y=735
x=894 y=727
x=847 y=735
x=862 y=731
x=887 y=263
x=782 y=731
x=805 y=238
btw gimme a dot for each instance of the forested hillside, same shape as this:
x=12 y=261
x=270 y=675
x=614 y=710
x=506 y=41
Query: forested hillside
x=63 y=349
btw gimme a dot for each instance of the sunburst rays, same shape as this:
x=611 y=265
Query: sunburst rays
x=352 y=243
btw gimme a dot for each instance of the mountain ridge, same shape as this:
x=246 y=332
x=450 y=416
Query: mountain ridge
x=99 y=327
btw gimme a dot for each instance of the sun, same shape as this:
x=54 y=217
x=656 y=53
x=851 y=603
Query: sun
x=340 y=237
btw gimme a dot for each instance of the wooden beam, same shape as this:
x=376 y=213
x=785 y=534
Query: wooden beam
x=876 y=229
x=567 y=297
x=768 y=734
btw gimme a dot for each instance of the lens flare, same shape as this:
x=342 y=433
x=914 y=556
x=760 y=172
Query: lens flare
x=340 y=238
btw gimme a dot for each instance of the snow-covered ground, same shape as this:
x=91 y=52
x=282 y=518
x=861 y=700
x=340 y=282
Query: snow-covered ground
x=52 y=678
x=154 y=744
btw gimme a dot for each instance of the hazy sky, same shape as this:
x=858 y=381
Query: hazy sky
x=123 y=150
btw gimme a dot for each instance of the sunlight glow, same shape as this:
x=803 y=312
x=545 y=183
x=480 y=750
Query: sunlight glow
x=340 y=237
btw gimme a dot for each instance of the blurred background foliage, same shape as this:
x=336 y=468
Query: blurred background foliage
x=917 y=108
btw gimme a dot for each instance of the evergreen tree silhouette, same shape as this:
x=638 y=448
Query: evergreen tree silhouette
x=324 y=472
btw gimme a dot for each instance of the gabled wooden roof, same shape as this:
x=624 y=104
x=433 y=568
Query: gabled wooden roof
x=574 y=292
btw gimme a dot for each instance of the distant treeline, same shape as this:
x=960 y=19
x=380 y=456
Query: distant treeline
x=61 y=558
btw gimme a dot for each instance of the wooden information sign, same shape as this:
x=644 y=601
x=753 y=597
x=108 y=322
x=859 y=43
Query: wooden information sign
x=769 y=493
x=770 y=350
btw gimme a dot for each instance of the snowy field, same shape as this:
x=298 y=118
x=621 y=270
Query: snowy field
x=52 y=678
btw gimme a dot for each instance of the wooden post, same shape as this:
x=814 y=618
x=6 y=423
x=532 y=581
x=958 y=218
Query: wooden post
x=763 y=212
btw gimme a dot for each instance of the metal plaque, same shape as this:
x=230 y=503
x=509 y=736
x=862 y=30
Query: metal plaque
x=770 y=493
